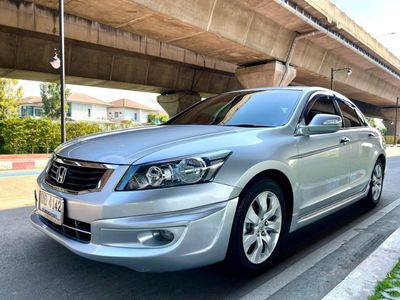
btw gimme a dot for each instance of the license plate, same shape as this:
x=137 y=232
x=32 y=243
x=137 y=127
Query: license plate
x=51 y=207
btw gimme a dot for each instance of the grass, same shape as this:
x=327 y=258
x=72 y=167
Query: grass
x=389 y=282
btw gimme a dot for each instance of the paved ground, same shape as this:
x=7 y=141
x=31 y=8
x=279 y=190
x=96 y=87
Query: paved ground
x=315 y=260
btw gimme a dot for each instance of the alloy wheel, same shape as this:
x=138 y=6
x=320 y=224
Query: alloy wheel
x=377 y=180
x=262 y=227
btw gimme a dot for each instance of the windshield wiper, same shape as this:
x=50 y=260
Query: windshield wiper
x=247 y=125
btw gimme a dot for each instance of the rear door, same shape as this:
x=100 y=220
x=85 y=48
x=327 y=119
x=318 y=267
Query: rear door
x=323 y=160
x=362 y=143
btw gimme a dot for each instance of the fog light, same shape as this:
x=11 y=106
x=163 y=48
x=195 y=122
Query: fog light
x=167 y=235
x=163 y=235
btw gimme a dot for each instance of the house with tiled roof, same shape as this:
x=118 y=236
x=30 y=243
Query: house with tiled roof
x=84 y=107
x=126 y=109
x=31 y=107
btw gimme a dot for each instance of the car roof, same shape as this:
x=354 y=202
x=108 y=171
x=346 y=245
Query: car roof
x=293 y=88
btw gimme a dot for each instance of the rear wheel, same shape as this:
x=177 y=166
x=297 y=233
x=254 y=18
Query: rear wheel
x=376 y=185
x=259 y=227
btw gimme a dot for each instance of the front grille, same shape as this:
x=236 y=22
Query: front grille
x=73 y=229
x=77 y=178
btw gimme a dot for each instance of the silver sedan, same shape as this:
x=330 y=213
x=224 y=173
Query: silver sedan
x=227 y=179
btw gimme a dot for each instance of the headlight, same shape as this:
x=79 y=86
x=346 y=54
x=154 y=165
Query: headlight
x=179 y=171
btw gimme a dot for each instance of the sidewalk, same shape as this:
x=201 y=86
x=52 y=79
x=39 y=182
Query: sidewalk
x=23 y=161
x=17 y=192
x=392 y=151
x=361 y=282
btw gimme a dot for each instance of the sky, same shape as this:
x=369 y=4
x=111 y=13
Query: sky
x=378 y=17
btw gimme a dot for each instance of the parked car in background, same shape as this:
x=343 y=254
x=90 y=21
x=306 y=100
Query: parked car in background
x=227 y=179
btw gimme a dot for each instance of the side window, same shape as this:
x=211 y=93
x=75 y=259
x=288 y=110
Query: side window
x=350 y=118
x=322 y=105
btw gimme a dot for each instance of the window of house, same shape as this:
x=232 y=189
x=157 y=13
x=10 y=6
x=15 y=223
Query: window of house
x=116 y=114
x=350 y=117
x=89 y=112
x=323 y=105
x=135 y=116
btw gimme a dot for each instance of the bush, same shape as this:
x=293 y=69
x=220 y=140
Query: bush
x=29 y=135
x=156 y=119
x=389 y=139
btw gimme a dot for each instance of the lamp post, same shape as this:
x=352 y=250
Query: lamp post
x=58 y=63
x=62 y=68
x=333 y=71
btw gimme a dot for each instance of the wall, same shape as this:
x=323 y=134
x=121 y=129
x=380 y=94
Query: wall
x=79 y=111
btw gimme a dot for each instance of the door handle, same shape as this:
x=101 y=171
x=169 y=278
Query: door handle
x=371 y=134
x=344 y=140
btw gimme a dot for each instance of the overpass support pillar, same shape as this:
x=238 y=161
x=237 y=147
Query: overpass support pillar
x=176 y=102
x=389 y=121
x=273 y=73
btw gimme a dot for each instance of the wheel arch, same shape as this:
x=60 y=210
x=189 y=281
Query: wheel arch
x=382 y=158
x=283 y=181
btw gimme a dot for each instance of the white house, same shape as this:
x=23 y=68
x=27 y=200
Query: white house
x=126 y=109
x=84 y=107
x=31 y=107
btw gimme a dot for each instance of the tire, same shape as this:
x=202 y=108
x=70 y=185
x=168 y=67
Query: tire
x=375 y=185
x=255 y=241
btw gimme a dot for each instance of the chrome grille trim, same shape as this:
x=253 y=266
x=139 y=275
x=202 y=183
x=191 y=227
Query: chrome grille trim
x=76 y=187
x=76 y=229
x=69 y=231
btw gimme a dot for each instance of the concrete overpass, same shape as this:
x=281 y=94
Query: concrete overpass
x=198 y=46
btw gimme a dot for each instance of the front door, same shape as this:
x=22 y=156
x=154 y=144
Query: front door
x=323 y=161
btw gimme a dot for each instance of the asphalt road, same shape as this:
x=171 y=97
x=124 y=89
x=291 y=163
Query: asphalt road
x=316 y=258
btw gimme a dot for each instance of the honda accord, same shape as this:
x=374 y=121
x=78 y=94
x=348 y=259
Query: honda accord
x=226 y=179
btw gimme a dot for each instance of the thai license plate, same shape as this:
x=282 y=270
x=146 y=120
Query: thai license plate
x=51 y=207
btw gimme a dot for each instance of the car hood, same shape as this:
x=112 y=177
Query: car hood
x=127 y=146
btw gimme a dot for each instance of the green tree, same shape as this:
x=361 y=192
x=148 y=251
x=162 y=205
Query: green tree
x=371 y=122
x=50 y=94
x=10 y=98
x=156 y=119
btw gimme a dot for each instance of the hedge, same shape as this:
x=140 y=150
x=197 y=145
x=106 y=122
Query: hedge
x=389 y=139
x=29 y=135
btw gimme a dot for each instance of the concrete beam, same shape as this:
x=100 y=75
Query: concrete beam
x=269 y=74
x=242 y=32
x=24 y=55
x=39 y=19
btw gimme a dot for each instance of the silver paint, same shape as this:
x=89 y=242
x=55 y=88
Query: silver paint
x=324 y=174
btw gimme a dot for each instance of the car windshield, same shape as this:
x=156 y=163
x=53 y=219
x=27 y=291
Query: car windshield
x=267 y=108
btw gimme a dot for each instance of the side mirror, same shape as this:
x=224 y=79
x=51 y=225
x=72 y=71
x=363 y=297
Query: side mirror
x=321 y=123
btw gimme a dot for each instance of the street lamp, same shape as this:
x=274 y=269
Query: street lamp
x=58 y=63
x=333 y=71
x=385 y=34
x=55 y=62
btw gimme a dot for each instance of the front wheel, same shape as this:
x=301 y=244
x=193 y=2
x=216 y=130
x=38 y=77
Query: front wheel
x=258 y=228
x=376 y=185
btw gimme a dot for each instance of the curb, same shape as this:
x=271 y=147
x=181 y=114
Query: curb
x=361 y=282
x=23 y=161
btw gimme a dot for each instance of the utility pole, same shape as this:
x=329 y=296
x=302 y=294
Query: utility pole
x=62 y=68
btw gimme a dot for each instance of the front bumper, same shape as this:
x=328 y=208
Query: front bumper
x=201 y=237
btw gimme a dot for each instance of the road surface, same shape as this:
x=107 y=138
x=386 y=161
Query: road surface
x=316 y=258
